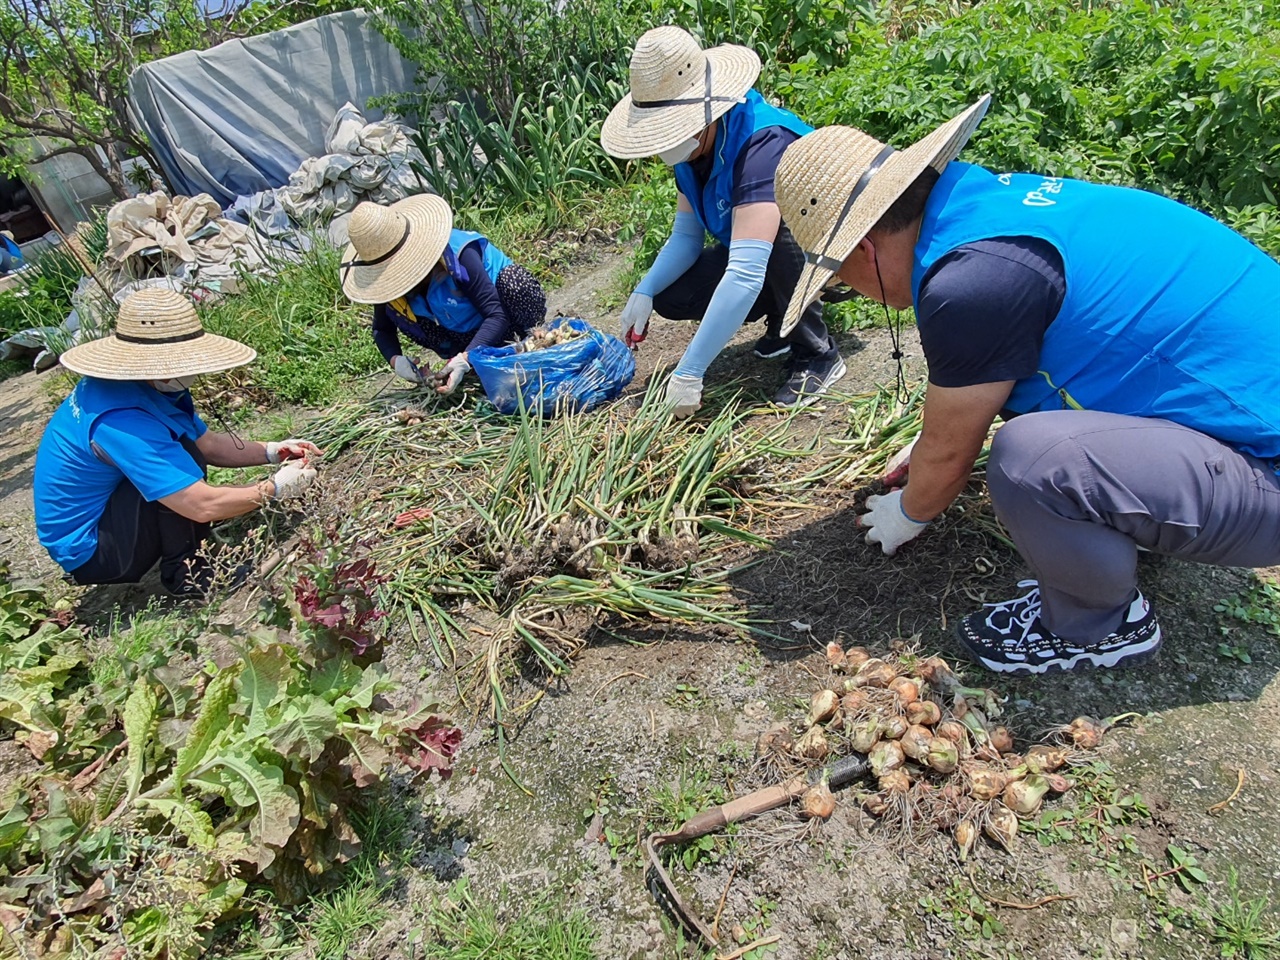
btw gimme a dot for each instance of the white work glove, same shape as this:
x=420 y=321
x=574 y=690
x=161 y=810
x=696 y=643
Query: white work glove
x=684 y=394
x=291 y=450
x=406 y=369
x=451 y=374
x=292 y=479
x=635 y=319
x=886 y=523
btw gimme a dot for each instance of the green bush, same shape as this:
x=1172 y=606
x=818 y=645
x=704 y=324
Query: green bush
x=1178 y=99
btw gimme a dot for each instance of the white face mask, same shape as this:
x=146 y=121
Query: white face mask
x=176 y=385
x=681 y=152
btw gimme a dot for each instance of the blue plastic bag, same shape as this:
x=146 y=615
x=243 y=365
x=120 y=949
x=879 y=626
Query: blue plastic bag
x=567 y=378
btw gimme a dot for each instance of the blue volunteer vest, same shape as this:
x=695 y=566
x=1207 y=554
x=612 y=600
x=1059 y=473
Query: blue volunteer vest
x=712 y=201
x=444 y=302
x=1168 y=313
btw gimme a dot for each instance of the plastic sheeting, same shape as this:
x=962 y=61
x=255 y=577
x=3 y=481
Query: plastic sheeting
x=241 y=117
x=363 y=161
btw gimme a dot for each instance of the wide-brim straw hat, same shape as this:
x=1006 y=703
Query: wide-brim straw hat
x=834 y=185
x=677 y=90
x=158 y=336
x=393 y=247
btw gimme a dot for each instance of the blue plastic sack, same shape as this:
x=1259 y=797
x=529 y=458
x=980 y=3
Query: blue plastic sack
x=570 y=377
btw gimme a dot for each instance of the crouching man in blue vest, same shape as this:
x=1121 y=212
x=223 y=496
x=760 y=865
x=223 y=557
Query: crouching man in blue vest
x=697 y=111
x=1131 y=343
x=120 y=471
x=448 y=290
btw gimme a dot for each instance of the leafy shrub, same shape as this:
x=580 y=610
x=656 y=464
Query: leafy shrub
x=1174 y=98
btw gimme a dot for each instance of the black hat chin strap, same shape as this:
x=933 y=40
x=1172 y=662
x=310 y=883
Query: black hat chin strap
x=404 y=238
x=706 y=99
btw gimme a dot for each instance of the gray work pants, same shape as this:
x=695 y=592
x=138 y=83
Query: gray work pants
x=1079 y=492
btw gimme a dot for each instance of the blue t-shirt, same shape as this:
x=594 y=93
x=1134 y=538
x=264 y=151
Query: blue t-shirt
x=137 y=429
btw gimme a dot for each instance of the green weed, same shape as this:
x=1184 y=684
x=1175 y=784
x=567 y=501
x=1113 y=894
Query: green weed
x=344 y=917
x=1095 y=812
x=462 y=928
x=148 y=638
x=1257 y=604
x=967 y=913
x=1240 y=929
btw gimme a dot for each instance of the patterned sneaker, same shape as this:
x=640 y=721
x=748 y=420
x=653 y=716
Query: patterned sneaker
x=810 y=380
x=770 y=346
x=1009 y=638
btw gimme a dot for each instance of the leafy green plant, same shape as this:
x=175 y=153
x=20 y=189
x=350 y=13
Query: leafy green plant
x=968 y=914
x=1257 y=604
x=157 y=812
x=1097 y=814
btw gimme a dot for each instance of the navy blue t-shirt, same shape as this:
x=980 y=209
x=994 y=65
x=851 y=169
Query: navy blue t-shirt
x=755 y=167
x=984 y=308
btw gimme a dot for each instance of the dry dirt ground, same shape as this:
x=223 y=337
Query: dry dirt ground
x=673 y=711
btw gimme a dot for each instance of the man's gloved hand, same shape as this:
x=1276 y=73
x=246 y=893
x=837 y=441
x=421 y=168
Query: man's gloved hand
x=635 y=319
x=406 y=369
x=887 y=524
x=451 y=374
x=895 y=471
x=291 y=450
x=684 y=394
x=292 y=479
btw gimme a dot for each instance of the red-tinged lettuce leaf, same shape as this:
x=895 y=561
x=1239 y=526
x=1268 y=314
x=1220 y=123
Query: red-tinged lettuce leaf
x=431 y=745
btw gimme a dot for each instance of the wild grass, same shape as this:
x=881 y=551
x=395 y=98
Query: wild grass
x=311 y=340
x=531 y=928
x=1241 y=927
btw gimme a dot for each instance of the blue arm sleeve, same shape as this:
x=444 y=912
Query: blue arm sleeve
x=677 y=255
x=736 y=292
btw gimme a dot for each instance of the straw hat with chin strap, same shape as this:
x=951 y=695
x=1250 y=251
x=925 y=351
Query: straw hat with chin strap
x=834 y=185
x=392 y=248
x=158 y=336
x=677 y=91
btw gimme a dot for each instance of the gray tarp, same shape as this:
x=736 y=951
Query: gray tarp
x=242 y=116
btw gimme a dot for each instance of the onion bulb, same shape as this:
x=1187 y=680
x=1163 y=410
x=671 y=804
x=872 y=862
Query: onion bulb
x=952 y=730
x=818 y=803
x=1045 y=759
x=886 y=756
x=984 y=782
x=895 y=783
x=854 y=658
x=915 y=742
x=853 y=704
x=1023 y=797
x=865 y=735
x=1085 y=732
x=893 y=727
x=908 y=690
x=813 y=745
x=1058 y=783
x=777 y=739
x=875 y=673
x=876 y=804
x=823 y=706
x=943 y=756
x=1001 y=825
x=935 y=672
x=1001 y=739
x=835 y=656
x=966 y=837
x=924 y=712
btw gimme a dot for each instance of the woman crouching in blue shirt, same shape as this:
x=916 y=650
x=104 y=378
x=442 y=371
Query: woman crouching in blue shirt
x=447 y=290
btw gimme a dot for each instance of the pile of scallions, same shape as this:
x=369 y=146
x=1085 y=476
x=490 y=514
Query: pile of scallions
x=938 y=760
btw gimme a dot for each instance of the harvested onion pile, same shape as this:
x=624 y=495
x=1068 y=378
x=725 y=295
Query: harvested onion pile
x=939 y=761
x=542 y=337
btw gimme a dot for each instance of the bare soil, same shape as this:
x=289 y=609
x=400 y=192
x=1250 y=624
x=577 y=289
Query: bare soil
x=670 y=708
